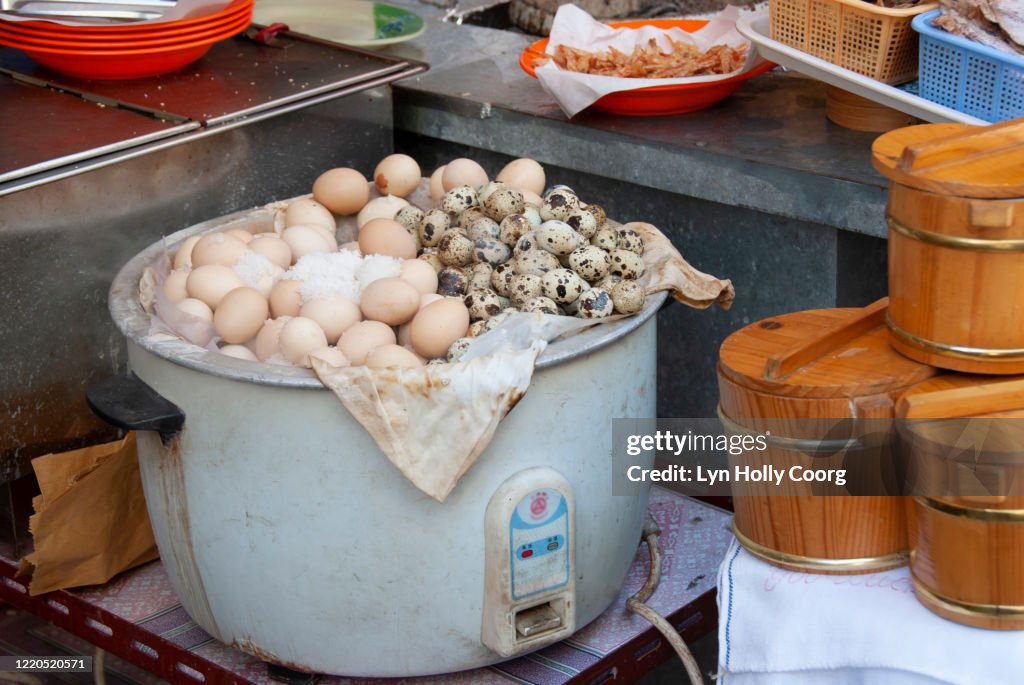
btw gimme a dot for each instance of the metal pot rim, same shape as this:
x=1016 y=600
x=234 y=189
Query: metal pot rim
x=134 y=322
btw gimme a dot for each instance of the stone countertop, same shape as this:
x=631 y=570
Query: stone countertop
x=769 y=147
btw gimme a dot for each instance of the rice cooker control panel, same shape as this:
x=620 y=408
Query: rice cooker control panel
x=529 y=596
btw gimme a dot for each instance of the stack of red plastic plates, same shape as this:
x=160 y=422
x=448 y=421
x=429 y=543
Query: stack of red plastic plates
x=125 y=50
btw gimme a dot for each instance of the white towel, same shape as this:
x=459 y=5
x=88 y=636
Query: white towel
x=780 y=627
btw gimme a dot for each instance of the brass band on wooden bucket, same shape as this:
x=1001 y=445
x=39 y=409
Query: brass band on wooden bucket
x=805 y=445
x=798 y=562
x=978 y=514
x=958 y=242
x=1006 y=612
x=955 y=351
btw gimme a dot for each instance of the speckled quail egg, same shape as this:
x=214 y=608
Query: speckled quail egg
x=524 y=287
x=557 y=188
x=558 y=204
x=631 y=240
x=468 y=216
x=459 y=199
x=563 y=285
x=479 y=276
x=431 y=258
x=433 y=226
x=458 y=349
x=476 y=329
x=558 y=237
x=491 y=251
x=512 y=228
x=483 y=227
x=482 y=304
x=609 y=281
x=626 y=264
x=501 y=278
x=526 y=243
x=544 y=305
x=600 y=217
x=532 y=214
x=606 y=238
x=455 y=249
x=452 y=282
x=590 y=262
x=484 y=191
x=594 y=304
x=628 y=297
x=410 y=216
x=506 y=304
x=537 y=262
x=503 y=202
x=583 y=221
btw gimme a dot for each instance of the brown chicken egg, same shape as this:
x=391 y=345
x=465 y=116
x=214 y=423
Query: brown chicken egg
x=343 y=190
x=463 y=172
x=299 y=337
x=211 y=282
x=397 y=175
x=392 y=356
x=240 y=315
x=436 y=326
x=390 y=300
x=386 y=237
x=523 y=174
x=334 y=314
x=357 y=342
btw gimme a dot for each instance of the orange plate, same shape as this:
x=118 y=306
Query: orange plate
x=52 y=28
x=94 y=43
x=658 y=100
x=125 y=63
x=169 y=34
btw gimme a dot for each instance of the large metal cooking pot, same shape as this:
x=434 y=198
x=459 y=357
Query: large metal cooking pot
x=288 y=534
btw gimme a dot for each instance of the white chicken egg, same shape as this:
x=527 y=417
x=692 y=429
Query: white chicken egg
x=273 y=248
x=304 y=240
x=183 y=257
x=308 y=211
x=334 y=315
x=218 y=248
x=381 y=208
x=238 y=352
x=174 y=286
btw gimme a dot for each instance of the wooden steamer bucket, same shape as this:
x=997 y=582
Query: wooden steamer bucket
x=956 y=244
x=967 y=547
x=791 y=369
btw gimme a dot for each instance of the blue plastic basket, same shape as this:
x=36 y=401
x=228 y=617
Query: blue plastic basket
x=967 y=76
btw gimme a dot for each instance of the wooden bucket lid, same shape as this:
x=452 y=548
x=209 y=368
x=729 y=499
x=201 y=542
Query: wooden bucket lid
x=955 y=159
x=954 y=396
x=820 y=353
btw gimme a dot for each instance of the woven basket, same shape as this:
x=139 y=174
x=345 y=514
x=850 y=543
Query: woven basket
x=876 y=42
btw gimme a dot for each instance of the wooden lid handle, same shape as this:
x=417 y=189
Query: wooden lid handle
x=964 y=148
x=867 y=319
x=979 y=400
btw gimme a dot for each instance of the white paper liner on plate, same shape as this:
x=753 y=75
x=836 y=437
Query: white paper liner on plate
x=183 y=9
x=573 y=27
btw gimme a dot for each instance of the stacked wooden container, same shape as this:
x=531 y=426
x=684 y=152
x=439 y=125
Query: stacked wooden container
x=956 y=281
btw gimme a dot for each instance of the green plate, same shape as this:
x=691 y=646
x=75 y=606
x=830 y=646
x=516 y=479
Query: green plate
x=359 y=23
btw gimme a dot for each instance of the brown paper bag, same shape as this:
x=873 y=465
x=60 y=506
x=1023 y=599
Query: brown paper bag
x=91 y=521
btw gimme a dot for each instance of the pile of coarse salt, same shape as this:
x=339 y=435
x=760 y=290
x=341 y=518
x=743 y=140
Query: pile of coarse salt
x=346 y=273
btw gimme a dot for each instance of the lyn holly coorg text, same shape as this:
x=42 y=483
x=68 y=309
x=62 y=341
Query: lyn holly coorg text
x=667 y=442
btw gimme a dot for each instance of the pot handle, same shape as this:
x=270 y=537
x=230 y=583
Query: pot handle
x=127 y=402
